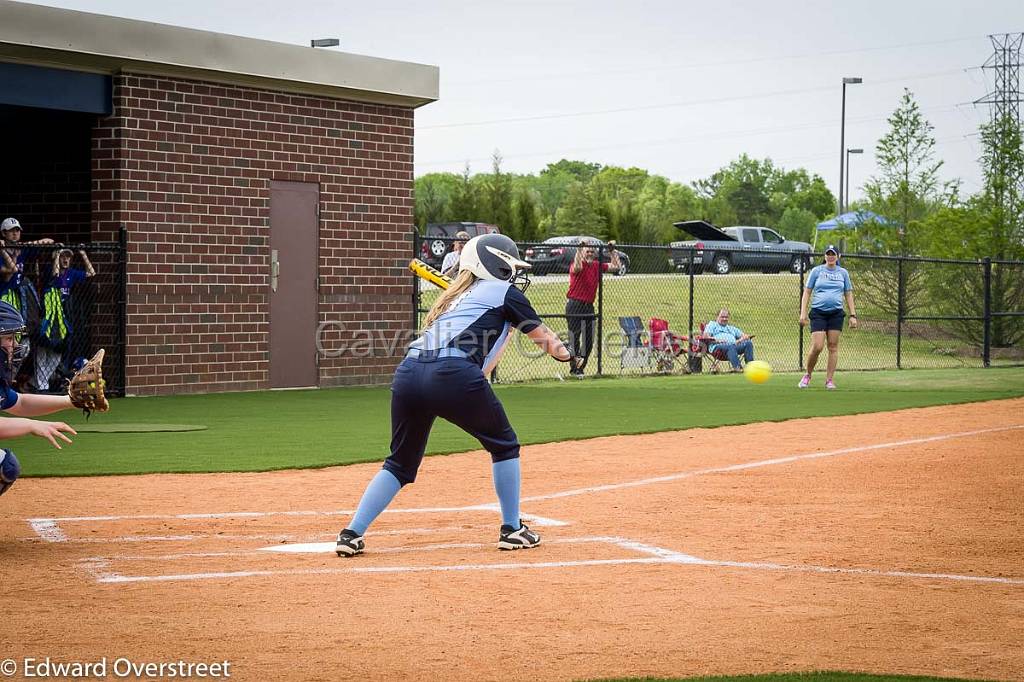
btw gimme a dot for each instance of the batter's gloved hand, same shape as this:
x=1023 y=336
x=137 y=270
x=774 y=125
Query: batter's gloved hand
x=87 y=386
x=575 y=362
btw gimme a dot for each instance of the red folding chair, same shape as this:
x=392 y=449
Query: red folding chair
x=665 y=344
x=714 y=357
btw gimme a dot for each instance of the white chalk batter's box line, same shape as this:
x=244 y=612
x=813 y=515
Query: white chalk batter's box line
x=99 y=567
x=50 y=529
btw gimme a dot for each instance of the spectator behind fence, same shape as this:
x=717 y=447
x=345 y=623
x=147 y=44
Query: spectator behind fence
x=450 y=264
x=56 y=347
x=584 y=278
x=15 y=288
x=730 y=339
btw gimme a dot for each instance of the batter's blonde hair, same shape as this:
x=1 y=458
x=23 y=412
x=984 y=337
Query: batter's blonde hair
x=463 y=282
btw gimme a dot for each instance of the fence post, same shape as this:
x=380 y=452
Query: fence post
x=122 y=307
x=689 y=342
x=600 y=306
x=800 y=343
x=986 y=358
x=900 y=298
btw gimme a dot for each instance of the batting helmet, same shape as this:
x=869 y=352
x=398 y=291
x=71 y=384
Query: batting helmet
x=494 y=257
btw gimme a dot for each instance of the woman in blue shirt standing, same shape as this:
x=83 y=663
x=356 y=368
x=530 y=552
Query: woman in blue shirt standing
x=827 y=286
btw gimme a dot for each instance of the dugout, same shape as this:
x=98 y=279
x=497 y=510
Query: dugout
x=265 y=191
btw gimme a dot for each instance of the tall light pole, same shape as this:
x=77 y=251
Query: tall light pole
x=842 y=137
x=848 y=152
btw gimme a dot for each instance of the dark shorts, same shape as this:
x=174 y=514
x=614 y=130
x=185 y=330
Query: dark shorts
x=827 y=320
x=455 y=390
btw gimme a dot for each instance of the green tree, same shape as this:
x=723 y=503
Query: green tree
x=578 y=214
x=581 y=171
x=907 y=188
x=627 y=219
x=1003 y=167
x=527 y=219
x=498 y=193
x=905 y=192
x=552 y=188
x=989 y=225
x=433 y=193
x=611 y=182
x=464 y=203
x=606 y=208
x=798 y=224
x=745 y=187
x=798 y=189
x=662 y=203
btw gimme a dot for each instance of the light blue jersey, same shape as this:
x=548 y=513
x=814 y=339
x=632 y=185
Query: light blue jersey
x=828 y=286
x=724 y=333
x=478 y=321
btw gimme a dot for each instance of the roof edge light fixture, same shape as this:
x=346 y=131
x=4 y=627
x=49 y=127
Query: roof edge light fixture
x=324 y=42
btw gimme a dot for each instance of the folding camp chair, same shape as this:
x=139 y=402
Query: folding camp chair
x=714 y=357
x=666 y=346
x=636 y=351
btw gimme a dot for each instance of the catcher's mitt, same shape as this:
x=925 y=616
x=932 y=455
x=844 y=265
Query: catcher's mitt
x=86 y=387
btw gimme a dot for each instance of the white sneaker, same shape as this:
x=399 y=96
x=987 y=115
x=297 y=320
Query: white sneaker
x=517 y=538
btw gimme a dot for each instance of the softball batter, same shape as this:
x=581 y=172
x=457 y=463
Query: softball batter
x=443 y=375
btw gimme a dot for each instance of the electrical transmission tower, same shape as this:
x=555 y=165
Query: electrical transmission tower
x=1006 y=178
x=1005 y=62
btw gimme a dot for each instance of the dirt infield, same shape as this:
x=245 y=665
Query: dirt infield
x=883 y=542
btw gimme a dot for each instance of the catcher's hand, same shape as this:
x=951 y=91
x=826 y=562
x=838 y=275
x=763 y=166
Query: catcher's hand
x=86 y=387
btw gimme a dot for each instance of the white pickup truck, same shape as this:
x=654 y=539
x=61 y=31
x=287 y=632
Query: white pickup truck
x=737 y=248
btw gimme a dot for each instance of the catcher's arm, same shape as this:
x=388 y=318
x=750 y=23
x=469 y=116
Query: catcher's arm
x=31 y=405
x=428 y=273
x=12 y=428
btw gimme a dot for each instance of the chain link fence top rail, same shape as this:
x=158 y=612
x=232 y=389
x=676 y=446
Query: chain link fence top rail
x=912 y=312
x=72 y=299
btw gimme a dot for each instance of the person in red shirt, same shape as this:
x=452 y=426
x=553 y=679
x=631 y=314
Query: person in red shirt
x=584 y=277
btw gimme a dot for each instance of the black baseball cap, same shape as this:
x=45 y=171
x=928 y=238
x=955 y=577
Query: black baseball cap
x=833 y=249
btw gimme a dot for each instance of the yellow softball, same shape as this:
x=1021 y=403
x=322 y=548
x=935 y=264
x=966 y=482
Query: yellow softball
x=758 y=371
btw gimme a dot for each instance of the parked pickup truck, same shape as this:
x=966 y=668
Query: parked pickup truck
x=737 y=248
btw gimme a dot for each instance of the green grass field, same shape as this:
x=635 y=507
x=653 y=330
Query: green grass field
x=764 y=305
x=793 y=677
x=299 y=429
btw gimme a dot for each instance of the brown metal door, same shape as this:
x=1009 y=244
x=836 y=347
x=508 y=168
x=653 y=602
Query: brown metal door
x=294 y=237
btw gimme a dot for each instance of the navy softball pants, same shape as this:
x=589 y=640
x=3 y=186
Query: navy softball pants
x=451 y=388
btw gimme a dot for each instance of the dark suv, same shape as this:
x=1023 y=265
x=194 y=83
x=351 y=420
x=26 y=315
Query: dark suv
x=557 y=253
x=433 y=246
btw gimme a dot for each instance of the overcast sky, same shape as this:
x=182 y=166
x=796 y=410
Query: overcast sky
x=678 y=88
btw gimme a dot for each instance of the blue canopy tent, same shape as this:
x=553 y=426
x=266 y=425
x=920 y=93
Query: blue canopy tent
x=852 y=219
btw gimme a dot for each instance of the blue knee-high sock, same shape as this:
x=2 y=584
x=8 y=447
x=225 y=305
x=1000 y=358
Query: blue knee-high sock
x=506 y=484
x=378 y=496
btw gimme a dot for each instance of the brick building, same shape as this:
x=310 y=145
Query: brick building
x=265 y=190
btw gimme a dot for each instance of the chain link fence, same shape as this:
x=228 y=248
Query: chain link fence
x=72 y=297
x=912 y=312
